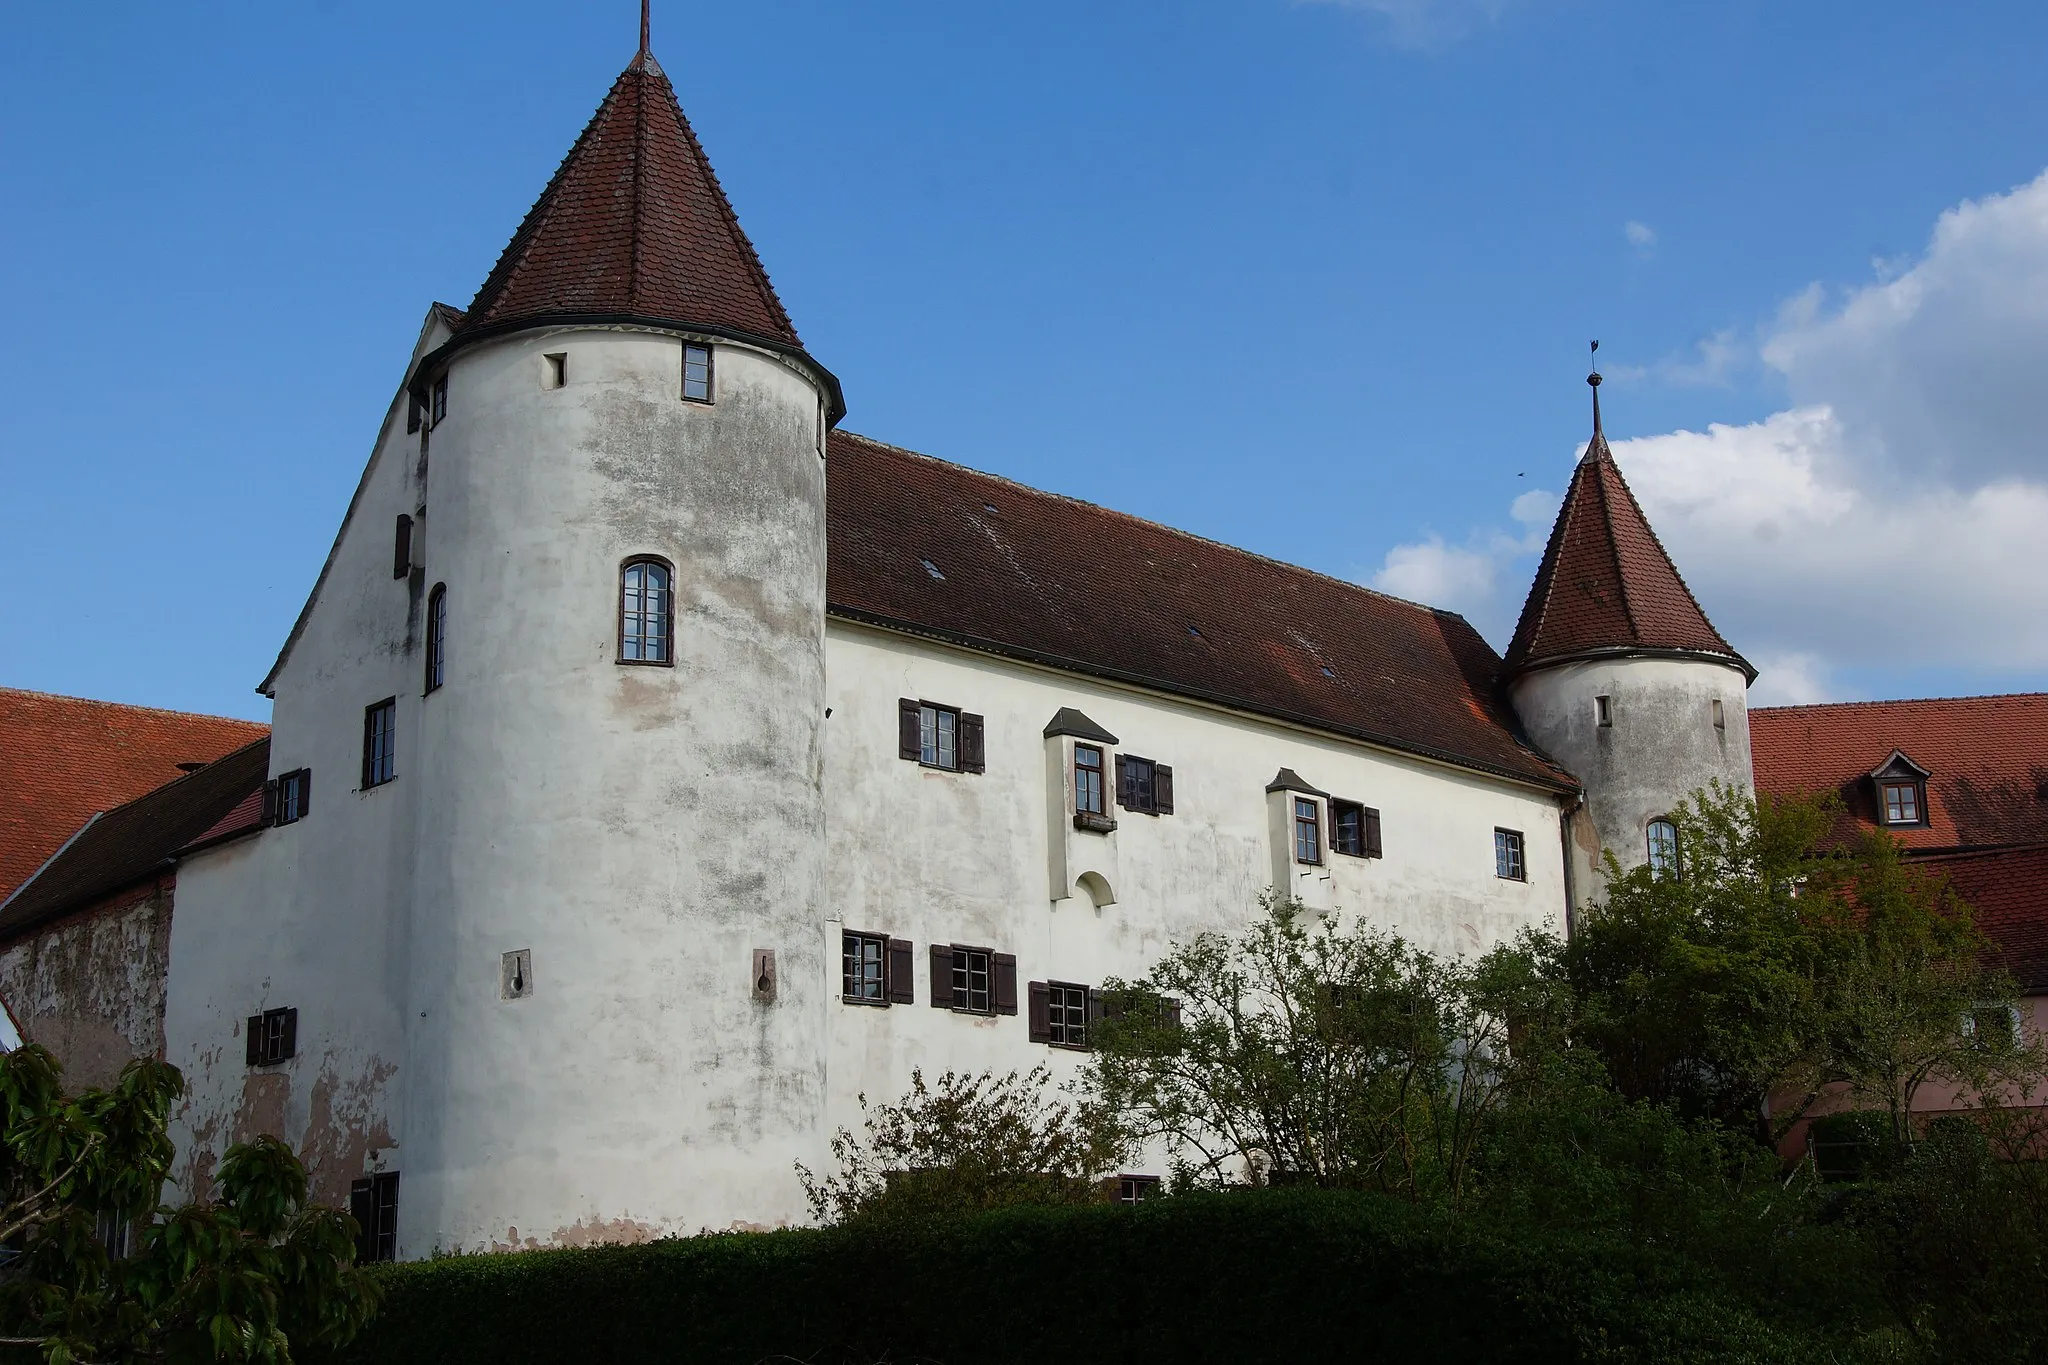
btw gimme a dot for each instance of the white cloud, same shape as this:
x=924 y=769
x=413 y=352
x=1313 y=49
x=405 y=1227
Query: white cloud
x=1426 y=24
x=1641 y=236
x=1439 y=574
x=1893 y=518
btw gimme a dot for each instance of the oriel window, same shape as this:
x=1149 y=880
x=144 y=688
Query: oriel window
x=1308 y=834
x=1087 y=780
x=646 y=612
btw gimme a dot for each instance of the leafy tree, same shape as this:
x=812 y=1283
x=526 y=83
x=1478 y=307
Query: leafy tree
x=971 y=1142
x=1303 y=1051
x=249 y=1278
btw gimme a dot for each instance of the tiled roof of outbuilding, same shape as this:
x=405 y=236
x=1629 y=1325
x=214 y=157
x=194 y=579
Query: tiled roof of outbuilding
x=64 y=758
x=2008 y=888
x=918 y=544
x=1605 y=582
x=634 y=222
x=134 y=840
x=1988 y=757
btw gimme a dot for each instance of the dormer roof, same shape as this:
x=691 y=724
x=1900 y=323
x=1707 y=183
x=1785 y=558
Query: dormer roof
x=1899 y=768
x=633 y=225
x=1605 y=585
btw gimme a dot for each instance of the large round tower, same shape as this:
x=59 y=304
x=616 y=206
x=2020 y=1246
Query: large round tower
x=1617 y=673
x=620 y=742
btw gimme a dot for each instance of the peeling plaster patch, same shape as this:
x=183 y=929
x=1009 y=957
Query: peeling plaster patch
x=344 y=1125
x=583 y=1233
x=264 y=1095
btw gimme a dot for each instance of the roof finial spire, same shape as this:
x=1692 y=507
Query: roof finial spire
x=1593 y=379
x=645 y=7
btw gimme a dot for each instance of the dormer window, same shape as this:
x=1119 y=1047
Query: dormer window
x=1901 y=791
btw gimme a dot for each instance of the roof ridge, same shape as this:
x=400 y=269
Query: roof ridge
x=1198 y=539
x=1900 y=701
x=130 y=706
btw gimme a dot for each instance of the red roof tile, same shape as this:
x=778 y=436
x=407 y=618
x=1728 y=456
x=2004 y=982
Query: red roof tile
x=1988 y=757
x=634 y=222
x=62 y=759
x=1605 y=582
x=142 y=837
x=919 y=544
x=2008 y=888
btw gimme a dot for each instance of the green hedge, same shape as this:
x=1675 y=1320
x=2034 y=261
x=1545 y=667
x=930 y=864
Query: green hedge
x=1267 y=1276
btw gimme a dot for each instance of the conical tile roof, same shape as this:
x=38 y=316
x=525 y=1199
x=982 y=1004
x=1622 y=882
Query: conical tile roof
x=634 y=224
x=1606 y=585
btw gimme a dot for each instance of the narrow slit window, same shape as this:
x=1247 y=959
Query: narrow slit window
x=440 y=408
x=1603 y=711
x=557 y=372
x=646 y=612
x=437 y=636
x=1720 y=716
x=696 y=373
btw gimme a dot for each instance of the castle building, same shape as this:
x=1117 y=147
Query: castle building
x=656 y=767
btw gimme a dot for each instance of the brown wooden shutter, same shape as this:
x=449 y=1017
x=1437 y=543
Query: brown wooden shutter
x=412 y=416
x=972 y=759
x=289 y=1047
x=908 y=744
x=1372 y=833
x=897 y=986
x=1040 y=1017
x=1126 y=787
x=401 y=548
x=942 y=976
x=1108 y=1006
x=1162 y=789
x=253 y=1039
x=305 y=791
x=270 y=802
x=362 y=1206
x=1003 y=968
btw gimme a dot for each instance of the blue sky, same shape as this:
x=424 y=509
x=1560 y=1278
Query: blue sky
x=1312 y=278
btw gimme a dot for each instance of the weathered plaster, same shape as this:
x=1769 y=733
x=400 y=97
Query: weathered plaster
x=90 y=987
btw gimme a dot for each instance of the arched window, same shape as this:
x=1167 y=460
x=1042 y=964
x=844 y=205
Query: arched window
x=646 y=612
x=1663 y=836
x=437 y=636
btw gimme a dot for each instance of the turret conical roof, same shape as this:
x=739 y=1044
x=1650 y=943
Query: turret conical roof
x=1606 y=586
x=633 y=225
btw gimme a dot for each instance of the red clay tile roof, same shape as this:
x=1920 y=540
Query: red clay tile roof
x=634 y=222
x=930 y=547
x=64 y=758
x=1605 y=582
x=140 y=838
x=1988 y=757
x=2008 y=888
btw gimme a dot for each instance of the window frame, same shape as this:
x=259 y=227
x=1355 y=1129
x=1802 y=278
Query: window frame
x=938 y=714
x=667 y=614
x=437 y=640
x=1136 y=1189
x=380 y=758
x=377 y=1234
x=437 y=411
x=1087 y=776
x=1306 y=816
x=1603 y=712
x=1916 y=792
x=1510 y=855
x=963 y=979
x=848 y=938
x=1060 y=1003
x=1651 y=844
x=298 y=783
x=710 y=372
x=272 y=1037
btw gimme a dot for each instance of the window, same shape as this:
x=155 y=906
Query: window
x=1992 y=1026
x=291 y=796
x=114 y=1230
x=1902 y=803
x=973 y=980
x=373 y=1203
x=440 y=408
x=1507 y=855
x=697 y=373
x=380 y=742
x=437 y=636
x=646 y=612
x=1136 y=1189
x=556 y=372
x=1663 y=841
x=1060 y=1012
x=940 y=736
x=401 y=548
x=1144 y=786
x=1603 y=711
x=1720 y=716
x=1354 y=829
x=1308 y=834
x=271 y=1037
x=875 y=969
x=1088 y=781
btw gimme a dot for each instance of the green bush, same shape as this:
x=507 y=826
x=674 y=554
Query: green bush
x=1293 y=1274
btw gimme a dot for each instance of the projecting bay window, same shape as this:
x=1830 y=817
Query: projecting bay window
x=1090 y=801
x=971 y=980
x=941 y=737
x=1308 y=833
x=875 y=969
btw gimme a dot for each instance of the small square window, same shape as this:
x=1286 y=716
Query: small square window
x=294 y=797
x=1507 y=855
x=271 y=1037
x=696 y=373
x=972 y=991
x=1308 y=838
x=1902 y=803
x=380 y=742
x=1136 y=1189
